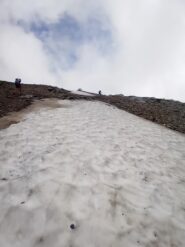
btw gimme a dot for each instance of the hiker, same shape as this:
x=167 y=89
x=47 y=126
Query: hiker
x=99 y=92
x=18 y=84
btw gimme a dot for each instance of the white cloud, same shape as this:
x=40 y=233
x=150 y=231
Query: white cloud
x=23 y=55
x=146 y=56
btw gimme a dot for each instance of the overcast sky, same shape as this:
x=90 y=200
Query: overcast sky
x=119 y=46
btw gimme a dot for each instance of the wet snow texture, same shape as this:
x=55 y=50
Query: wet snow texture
x=88 y=174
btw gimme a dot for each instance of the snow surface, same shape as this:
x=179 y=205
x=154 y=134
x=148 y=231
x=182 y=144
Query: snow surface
x=82 y=93
x=118 y=178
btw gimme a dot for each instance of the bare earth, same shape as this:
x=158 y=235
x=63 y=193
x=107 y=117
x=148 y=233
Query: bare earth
x=16 y=117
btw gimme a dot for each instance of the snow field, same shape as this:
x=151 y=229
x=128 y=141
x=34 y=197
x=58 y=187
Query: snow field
x=118 y=178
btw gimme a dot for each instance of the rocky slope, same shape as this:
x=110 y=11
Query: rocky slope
x=169 y=113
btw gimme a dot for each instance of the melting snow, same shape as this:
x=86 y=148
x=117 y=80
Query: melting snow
x=88 y=174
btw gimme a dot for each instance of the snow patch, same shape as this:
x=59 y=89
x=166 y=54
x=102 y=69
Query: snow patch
x=89 y=174
x=83 y=93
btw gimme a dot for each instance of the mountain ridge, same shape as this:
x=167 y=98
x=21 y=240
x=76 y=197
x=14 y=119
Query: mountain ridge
x=169 y=113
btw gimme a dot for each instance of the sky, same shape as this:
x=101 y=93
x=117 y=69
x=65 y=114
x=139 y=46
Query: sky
x=125 y=47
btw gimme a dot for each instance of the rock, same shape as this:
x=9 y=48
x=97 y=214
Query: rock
x=72 y=226
x=50 y=89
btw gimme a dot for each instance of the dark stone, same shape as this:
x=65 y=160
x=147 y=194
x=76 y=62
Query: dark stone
x=72 y=226
x=50 y=89
x=158 y=100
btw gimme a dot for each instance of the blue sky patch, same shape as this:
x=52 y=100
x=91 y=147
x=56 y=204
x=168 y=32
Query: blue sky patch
x=63 y=38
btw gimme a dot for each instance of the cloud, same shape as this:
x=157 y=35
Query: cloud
x=121 y=46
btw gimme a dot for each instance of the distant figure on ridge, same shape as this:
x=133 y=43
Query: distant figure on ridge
x=18 y=84
x=99 y=92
